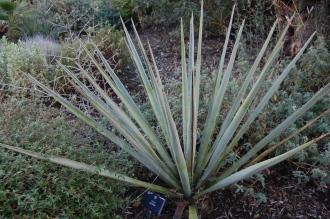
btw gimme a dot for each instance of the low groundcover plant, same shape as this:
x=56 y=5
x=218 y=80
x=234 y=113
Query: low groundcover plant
x=189 y=166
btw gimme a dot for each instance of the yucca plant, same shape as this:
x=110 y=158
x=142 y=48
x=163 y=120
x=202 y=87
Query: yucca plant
x=189 y=166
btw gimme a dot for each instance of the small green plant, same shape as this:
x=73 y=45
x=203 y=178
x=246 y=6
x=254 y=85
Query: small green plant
x=189 y=166
x=258 y=196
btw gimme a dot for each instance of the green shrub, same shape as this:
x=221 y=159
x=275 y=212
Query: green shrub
x=37 y=56
x=70 y=16
x=24 y=20
x=258 y=14
x=75 y=17
x=314 y=67
x=7 y=8
x=45 y=191
x=164 y=13
x=15 y=59
x=259 y=17
x=108 y=39
x=112 y=45
x=106 y=13
x=309 y=75
x=125 y=7
x=33 y=23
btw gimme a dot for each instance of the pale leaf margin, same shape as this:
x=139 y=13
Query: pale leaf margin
x=95 y=170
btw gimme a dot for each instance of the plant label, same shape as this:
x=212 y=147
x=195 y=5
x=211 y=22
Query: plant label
x=154 y=203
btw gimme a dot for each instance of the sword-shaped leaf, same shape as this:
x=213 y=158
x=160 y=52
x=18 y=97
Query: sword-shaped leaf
x=213 y=109
x=222 y=140
x=245 y=173
x=160 y=106
x=267 y=152
x=263 y=102
x=95 y=170
x=219 y=96
x=277 y=131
